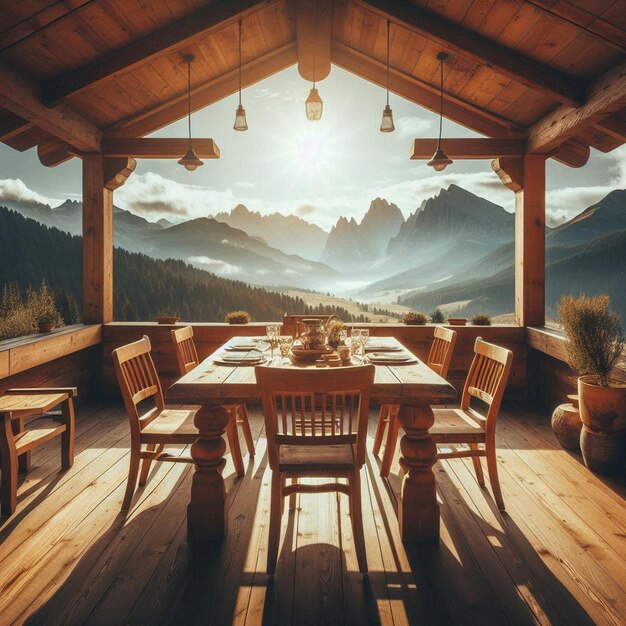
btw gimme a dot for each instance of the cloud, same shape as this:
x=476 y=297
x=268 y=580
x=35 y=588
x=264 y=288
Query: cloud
x=244 y=184
x=306 y=209
x=217 y=266
x=14 y=189
x=158 y=206
x=413 y=127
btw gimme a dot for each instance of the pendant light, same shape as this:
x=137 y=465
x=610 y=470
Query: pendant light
x=314 y=105
x=386 y=125
x=440 y=160
x=190 y=161
x=240 y=115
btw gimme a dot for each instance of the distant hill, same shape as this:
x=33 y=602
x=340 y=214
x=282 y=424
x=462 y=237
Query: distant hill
x=585 y=255
x=143 y=286
x=204 y=242
x=353 y=246
x=288 y=233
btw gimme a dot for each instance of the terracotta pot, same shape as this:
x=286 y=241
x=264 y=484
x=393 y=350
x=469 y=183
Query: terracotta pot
x=45 y=327
x=604 y=453
x=566 y=425
x=457 y=321
x=166 y=319
x=602 y=409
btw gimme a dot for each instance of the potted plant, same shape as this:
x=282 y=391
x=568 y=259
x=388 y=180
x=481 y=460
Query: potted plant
x=482 y=319
x=238 y=317
x=167 y=317
x=414 y=319
x=437 y=317
x=45 y=322
x=595 y=345
x=457 y=321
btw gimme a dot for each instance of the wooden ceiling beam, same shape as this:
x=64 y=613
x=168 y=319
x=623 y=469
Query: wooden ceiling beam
x=573 y=153
x=469 y=148
x=314 y=25
x=610 y=34
x=614 y=125
x=604 y=97
x=453 y=37
x=183 y=32
x=158 y=148
x=20 y=96
x=203 y=95
x=12 y=125
x=415 y=90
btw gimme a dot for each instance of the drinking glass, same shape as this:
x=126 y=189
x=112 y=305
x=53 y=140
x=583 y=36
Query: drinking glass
x=273 y=332
x=284 y=343
x=343 y=335
x=365 y=336
x=355 y=341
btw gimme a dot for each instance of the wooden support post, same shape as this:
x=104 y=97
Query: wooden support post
x=100 y=177
x=526 y=176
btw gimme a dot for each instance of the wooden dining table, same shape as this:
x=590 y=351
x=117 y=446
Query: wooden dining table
x=213 y=385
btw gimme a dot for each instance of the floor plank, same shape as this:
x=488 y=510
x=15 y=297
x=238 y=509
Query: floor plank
x=554 y=557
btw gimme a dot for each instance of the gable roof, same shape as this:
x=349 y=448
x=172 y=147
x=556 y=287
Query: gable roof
x=553 y=72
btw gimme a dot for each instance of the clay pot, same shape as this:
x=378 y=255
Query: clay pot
x=566 y=425
x=604 y=453
x=45 y=327
x=603 y=409
x=457 y=321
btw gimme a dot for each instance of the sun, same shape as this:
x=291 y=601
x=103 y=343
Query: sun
x=310 y=147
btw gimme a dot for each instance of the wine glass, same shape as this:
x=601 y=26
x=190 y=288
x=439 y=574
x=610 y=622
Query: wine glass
x=284 y=343
x=273 y=332
x=355 y=341
x=365 y=336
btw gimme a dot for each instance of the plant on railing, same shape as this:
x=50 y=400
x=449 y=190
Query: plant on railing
x=437 y=316
x=595 y=337
x=238 y=317
x=481 y=319
x=414 y=319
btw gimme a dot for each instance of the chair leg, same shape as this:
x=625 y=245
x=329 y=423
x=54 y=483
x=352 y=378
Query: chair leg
x=233 y=442
x=292 y=497
x=275 y=517
x=478 y=468
x=492 y=468
x=380 y=428
x=392 y=440
x=9 y=467
x=356 y=517
x=245 y=427
x=67 y=437
x=133 y=470
x=145 y=465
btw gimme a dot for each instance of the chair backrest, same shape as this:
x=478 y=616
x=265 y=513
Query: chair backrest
x=315 y=406
x=185 y=348
x=441 y=350
x=486 y=379
x=138 y=379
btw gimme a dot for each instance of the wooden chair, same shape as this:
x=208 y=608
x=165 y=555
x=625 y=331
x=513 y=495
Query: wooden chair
x=19 y=436
x=187 y=357
x=486 y=381
x=316 y=426
x=439 y=359
x=158 y=426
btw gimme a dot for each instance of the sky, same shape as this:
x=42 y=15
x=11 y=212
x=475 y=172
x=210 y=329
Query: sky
x=317 y=170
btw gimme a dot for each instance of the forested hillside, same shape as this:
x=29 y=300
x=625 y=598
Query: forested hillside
x=144 y=287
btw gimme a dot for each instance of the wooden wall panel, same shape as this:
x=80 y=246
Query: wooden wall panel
x=209 y=337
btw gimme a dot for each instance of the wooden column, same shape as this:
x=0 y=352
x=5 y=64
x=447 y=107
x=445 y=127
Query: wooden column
x=100 y=177
x=526 y=176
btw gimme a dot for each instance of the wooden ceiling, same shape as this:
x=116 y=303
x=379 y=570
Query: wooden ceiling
x=75 y=72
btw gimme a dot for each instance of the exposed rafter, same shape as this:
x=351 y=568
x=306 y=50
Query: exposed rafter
x=158 y=148
x=614 y=125
x=185 y=31
x=314 y=24
x=606 y=96
x=21 y=96
x=469 y=148
x=203 y=95
x=411 y=88
x=12 y=125
x=469 y=44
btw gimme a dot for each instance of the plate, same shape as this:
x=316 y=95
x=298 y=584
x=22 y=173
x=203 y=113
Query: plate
x=382 y=348
x=391 y=359
x=234 y=359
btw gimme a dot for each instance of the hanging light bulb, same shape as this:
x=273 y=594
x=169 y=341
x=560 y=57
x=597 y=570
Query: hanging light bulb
x=314 y=105
x=386 y=125
x=440 y=160
x=241 y=123
x=190 y=161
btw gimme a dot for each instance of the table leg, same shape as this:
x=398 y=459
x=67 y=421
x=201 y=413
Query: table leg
x=207 y=513
x=418 y=511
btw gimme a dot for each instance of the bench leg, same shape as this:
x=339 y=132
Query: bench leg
x=23 y=460
x=67 y=437
x=9 y=463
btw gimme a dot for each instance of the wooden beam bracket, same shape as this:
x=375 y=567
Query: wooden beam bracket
x=117 y=170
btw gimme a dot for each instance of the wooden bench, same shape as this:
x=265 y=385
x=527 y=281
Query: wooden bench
x=25 y=423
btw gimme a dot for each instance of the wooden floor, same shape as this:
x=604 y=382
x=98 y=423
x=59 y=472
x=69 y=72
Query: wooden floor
x=556 y=556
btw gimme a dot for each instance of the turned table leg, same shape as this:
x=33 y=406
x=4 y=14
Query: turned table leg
x=207 y=513
x=418 y=511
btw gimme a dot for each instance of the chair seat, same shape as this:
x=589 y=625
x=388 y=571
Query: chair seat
x=172 y=426
x=38 y=432
x=455 y=426
x=305 y=458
